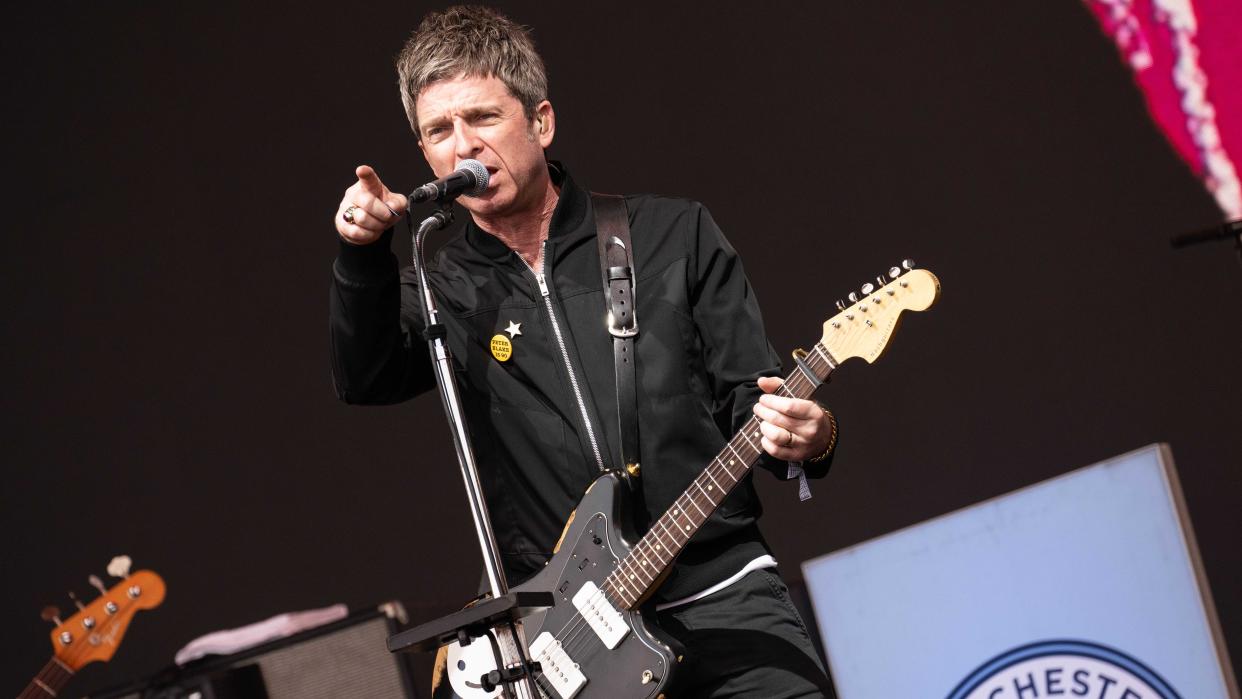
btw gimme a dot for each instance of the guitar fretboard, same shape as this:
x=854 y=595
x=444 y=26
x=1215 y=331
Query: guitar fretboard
x=632 y=579
x=49 y=682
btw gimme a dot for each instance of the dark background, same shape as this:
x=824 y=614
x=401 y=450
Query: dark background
x=173 y=173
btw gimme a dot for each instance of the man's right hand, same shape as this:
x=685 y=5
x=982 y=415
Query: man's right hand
x=372 y=207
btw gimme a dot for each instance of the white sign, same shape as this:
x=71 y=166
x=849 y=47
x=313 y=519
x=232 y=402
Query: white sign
x=1084 y=586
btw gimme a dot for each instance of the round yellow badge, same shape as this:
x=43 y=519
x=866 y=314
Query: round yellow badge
x=502 y=348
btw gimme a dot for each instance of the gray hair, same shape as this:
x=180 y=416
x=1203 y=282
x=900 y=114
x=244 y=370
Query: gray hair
x=471 y=41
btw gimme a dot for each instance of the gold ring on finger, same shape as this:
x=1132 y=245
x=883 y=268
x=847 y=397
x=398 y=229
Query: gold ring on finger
x=348 y=215
x=789 y=442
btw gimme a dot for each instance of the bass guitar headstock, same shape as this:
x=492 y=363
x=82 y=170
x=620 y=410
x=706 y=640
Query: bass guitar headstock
x=864 y=328
x=96 y=630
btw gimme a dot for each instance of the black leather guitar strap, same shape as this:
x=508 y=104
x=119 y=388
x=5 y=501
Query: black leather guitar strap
x=617 y=270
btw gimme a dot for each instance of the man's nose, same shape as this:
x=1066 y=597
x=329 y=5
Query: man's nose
x=468 y=144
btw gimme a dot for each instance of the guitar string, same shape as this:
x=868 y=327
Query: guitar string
x=796 y=384
x=793 y=385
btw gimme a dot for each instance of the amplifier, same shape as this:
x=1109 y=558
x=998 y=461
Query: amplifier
x=347 y=658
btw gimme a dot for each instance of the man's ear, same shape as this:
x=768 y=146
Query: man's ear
x=545 y=123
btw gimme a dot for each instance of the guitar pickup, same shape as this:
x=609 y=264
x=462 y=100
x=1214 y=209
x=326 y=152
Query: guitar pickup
x=557 y=667
x=604 y=620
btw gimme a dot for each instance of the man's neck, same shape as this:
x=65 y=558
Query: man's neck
x=525 y=232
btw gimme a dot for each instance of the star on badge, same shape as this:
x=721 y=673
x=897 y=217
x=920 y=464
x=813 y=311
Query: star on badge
x=514 y=329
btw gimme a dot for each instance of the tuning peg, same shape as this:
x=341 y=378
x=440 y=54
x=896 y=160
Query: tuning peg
x=77 y=602
x=894 y=272
x=97 y=584
x=907 y=263
x=868 y=288
x=853 y=297
x=51 y=613
x=840 y=305
x=879 y=280
x=118 y=567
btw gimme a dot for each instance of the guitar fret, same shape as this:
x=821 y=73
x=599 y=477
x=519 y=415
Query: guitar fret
x=832 y=364
x=704 y=492
x=745 y=437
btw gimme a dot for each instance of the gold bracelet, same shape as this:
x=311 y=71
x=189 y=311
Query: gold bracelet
x=832 y=441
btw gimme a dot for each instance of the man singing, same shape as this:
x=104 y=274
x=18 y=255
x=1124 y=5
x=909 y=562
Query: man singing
x=543 y=410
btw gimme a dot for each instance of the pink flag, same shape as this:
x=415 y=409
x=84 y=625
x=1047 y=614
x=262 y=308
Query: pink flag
x=1187 y=58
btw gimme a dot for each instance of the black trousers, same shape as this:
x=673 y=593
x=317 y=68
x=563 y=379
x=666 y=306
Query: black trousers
x=746 y=640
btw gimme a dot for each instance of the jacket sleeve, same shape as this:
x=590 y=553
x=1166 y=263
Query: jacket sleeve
x=735 y=346
x=378 y=354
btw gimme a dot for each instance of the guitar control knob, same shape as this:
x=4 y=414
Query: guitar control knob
x=853 y=297
x=868 y=288
x=648 y=676
x=907 y=263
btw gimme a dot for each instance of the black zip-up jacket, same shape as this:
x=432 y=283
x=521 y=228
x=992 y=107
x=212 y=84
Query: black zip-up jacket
x=700 y=349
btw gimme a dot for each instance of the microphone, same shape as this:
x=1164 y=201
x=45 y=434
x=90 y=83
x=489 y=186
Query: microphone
x=469 y=179
x=1225 y=231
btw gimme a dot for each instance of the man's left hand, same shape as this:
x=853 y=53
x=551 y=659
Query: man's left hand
x=793 y=429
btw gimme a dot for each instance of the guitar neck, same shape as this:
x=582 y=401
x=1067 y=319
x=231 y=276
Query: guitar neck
x=49 y=682
x=635 y=575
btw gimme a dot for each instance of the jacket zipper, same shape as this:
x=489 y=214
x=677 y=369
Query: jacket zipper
x=560 y=341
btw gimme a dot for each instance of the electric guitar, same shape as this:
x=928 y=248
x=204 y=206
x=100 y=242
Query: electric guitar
x=595 y=640
x=95 y=632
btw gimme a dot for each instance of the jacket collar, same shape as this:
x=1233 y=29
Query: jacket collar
x=568 y=220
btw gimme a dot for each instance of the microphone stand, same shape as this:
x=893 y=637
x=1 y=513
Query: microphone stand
x=504 y=608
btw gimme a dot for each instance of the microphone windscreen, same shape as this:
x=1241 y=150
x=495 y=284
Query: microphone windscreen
x=481 y=176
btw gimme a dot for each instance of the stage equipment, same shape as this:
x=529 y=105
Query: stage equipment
x=469 y=179
x=594 y=642
x=502 y=630
x=345 y=658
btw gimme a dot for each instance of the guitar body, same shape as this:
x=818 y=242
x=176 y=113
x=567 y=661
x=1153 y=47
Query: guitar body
x=597 y=537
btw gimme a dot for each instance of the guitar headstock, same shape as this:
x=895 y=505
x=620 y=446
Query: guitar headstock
x=863 y=329
x=96 y=630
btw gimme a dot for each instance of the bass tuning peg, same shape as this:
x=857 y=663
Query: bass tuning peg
x=51 y=614
x=894 y=272
x=908 y=264
x=119 y=566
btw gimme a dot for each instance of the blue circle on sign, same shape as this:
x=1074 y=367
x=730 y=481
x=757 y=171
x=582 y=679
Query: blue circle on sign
x=1084 y=649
